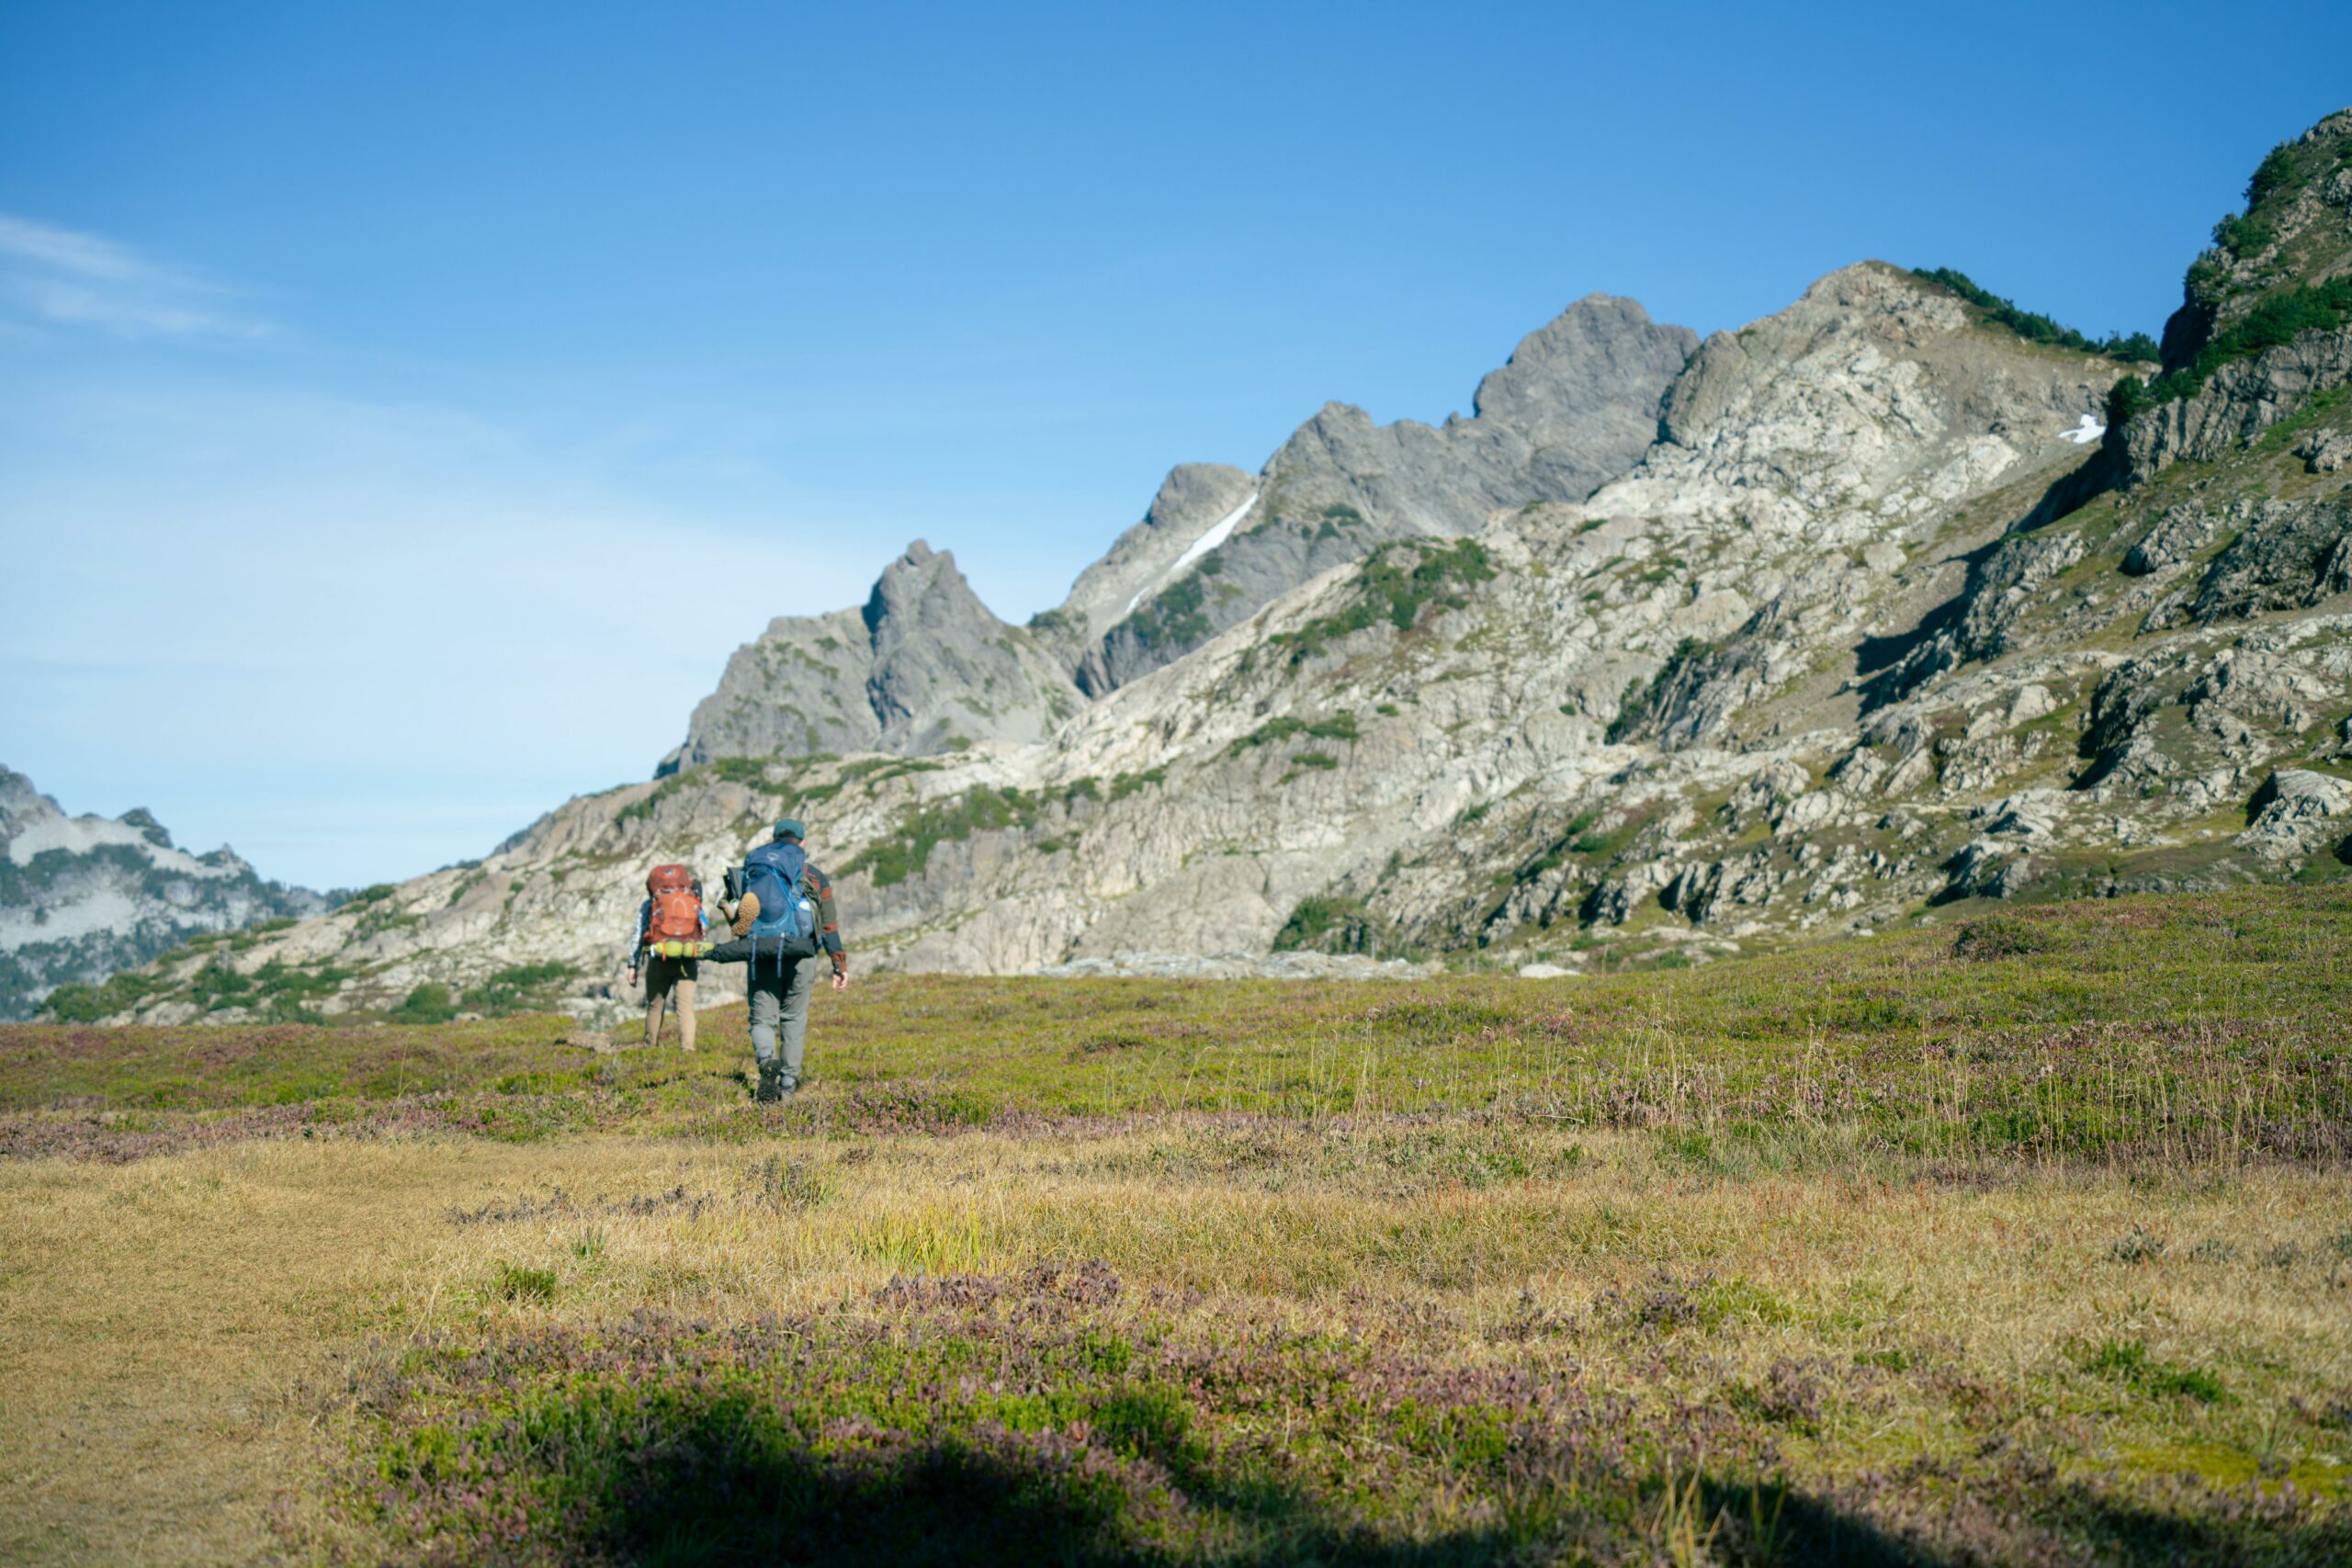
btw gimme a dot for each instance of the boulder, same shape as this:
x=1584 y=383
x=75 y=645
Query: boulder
x=2295 y=814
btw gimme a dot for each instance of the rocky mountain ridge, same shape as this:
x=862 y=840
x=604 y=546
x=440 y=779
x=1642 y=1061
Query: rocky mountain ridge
x=924 y=666
x=82 y=897
x=1881 y=623
x=921 y=666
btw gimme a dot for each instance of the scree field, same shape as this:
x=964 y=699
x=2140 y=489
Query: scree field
x=2020 y=1238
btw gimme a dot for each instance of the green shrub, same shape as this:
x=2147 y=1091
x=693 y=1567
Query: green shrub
x=78 y=1003
x=429 y=1003
x=2002 y=936
x=1127 y=784
x=2243 y=234
x=2125 y=399
x=979 y=810
x=2128 y=1361
x=218 y=986
x=1341 y=725
x=278 y=979
x=517 y=1283
x=2278 y=318
x=740 y=770
x=1174 y=615
x=511 y=989
x=1328 y=925
x=1397 y=583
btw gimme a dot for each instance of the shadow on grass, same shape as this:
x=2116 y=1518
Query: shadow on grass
x=962 y=1504
x=2066 y=1523
x=1023 y=1498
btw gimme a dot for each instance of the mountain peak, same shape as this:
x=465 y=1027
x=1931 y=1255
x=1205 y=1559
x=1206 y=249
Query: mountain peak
x=1549 y=376
x=109 y=892
x=2294 y=234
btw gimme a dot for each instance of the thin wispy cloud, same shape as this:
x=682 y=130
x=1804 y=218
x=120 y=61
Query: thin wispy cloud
x=65 y=278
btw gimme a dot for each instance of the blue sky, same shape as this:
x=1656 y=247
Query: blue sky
x=363 y=368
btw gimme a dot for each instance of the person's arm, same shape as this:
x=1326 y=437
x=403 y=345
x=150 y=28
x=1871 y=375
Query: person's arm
x=829 y=931
x=630 y=960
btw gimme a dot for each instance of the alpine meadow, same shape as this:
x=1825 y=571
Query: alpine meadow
x=1741 y=956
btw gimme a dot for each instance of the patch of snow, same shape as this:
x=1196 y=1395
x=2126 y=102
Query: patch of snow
x=2083 y=435
x=1217 y=534
x=111 y=910
x=80 y=835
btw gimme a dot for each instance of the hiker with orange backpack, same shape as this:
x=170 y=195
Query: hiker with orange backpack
x=670 y=940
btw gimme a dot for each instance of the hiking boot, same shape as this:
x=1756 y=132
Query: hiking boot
x=771 y=1087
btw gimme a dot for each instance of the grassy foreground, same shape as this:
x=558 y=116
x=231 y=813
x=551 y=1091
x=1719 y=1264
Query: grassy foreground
x=2024 y=1242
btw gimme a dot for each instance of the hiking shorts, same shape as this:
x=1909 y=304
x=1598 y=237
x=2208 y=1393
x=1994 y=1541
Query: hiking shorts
x=660 y=974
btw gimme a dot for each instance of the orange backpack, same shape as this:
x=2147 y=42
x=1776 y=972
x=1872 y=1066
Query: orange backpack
x=676 y=914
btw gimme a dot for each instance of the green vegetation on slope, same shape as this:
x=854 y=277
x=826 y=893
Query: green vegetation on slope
x=2184 y=1025
x=1174 y=615
x=1399 y=582
x=892 y=861
x=2035 y=327
x=2279 y=319
x=2284 y=305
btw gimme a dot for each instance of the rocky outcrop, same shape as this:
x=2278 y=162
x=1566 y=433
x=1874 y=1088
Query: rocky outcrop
x=1198 y=506
x=2237 y=403
x=2287 y=555
x=921 y=667
x=924 y=667
x=82 y=897
x=2297 y=228
x=2296 y=814
x=1576 y=406
x=2277 y=268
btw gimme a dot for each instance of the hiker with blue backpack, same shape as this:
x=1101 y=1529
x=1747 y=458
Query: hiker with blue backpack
x=782 y=919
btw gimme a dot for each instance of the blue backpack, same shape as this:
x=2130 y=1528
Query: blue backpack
x=772 y=873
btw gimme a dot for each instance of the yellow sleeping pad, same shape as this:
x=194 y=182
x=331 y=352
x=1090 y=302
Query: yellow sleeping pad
x=681 y=949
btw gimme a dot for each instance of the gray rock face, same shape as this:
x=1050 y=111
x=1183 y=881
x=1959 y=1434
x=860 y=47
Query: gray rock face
x=1182 y=526
x=2240 y=402
x=921 y=667
x=2296 y=814
x=82 y=897
x=2325 y=451
x=1577 y=405
x=2180 y=532
x=2289 y=555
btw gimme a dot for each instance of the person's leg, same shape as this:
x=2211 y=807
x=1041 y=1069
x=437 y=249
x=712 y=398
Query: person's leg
x=684 y=992
x=765 y=1000
x=799 y=983
x=657 y=991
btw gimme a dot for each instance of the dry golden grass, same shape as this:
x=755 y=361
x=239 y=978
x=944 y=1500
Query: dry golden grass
x=2029 y=1243
x=173 y=1331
